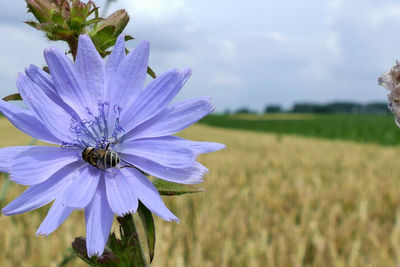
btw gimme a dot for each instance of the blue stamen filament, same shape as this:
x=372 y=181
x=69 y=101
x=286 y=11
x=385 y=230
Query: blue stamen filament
x=94 y=131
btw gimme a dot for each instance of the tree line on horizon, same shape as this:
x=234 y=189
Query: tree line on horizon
x=333 y=107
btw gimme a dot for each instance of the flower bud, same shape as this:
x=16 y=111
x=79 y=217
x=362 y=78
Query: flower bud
x=119 y=19
x=62 y=19
x=107 y=31
x=41 y=9
x=106 y=259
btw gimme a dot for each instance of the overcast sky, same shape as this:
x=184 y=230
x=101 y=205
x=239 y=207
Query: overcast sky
x=245 y=53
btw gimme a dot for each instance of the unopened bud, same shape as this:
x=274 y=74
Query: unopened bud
x=107 y=31
x=106 y=259
x=119 y=19
x=41 y=9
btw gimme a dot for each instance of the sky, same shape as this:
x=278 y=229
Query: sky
x=244 y=53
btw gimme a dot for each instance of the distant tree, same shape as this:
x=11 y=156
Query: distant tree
x=273 y=109
x=340 y=107
x=377 y=108
x=351 y=107
x=307 y=108
x=227 y=111
x=244 y=110
x=343 y=107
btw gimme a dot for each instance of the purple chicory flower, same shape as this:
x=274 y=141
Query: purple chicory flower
x=89 y=104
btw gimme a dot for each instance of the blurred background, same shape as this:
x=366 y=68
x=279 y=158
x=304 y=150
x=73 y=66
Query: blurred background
x=310 y=176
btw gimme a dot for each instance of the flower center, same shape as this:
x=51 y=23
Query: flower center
x=97 y=131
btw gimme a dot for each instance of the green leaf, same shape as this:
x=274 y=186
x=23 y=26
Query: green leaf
x=130 y=237
x=79 y=247
x=173 y=189
x=113 y=243
x=151 y=73
x=92 y=21
x=94 y=10
x=148 y=224
x=103 y=37
x=33 y=24
x=77 y=24
x=12 y=97
x=58 y=19
x=128 y=38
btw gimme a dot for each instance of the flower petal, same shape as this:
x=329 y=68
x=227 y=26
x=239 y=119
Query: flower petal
x=52 y=115
x=7 y=156
x=45 y=82
x=129 y=78
x=163 y=151
x=38 y=163
x=26 y=121
x=204 y=147
x=67 y=83
x=99 y=218
x=199 y=147
x=187 y=175
x=90 y=68
x=173 y=120
x=155 y=97
x=120 y=197
x=116 y=57
x=185 y=75
x=55 y=217
x=148 y=194
x=39 y=195
x=80 y=192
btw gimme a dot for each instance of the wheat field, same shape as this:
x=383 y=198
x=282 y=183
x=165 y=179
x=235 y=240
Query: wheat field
x=270 y=201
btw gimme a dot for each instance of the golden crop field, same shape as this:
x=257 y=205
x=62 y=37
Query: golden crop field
x=270 y=201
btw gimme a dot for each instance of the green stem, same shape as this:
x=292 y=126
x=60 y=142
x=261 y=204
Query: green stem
x=67 y=258
x=4 y=188
x=73 y=46
x=130 y=235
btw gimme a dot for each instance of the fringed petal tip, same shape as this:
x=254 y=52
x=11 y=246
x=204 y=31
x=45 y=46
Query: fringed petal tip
x=51 y=50
x=145 y=43
x=84 y=38
x=41 y=233
x=185 y=75
x=174 y=219
x=4 y=212
x=166 y=215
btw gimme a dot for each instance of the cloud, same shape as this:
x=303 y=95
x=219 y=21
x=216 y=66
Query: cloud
x=385 y=14
x=250 y=53
x=13 y=12
x=22 y=47
x=156 y=10
x=223 y=78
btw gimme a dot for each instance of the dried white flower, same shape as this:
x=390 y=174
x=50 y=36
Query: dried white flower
x=391 y=81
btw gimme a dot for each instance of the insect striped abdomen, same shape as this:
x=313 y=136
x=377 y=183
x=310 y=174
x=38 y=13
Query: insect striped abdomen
x=111 y=159
x=100 y=158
